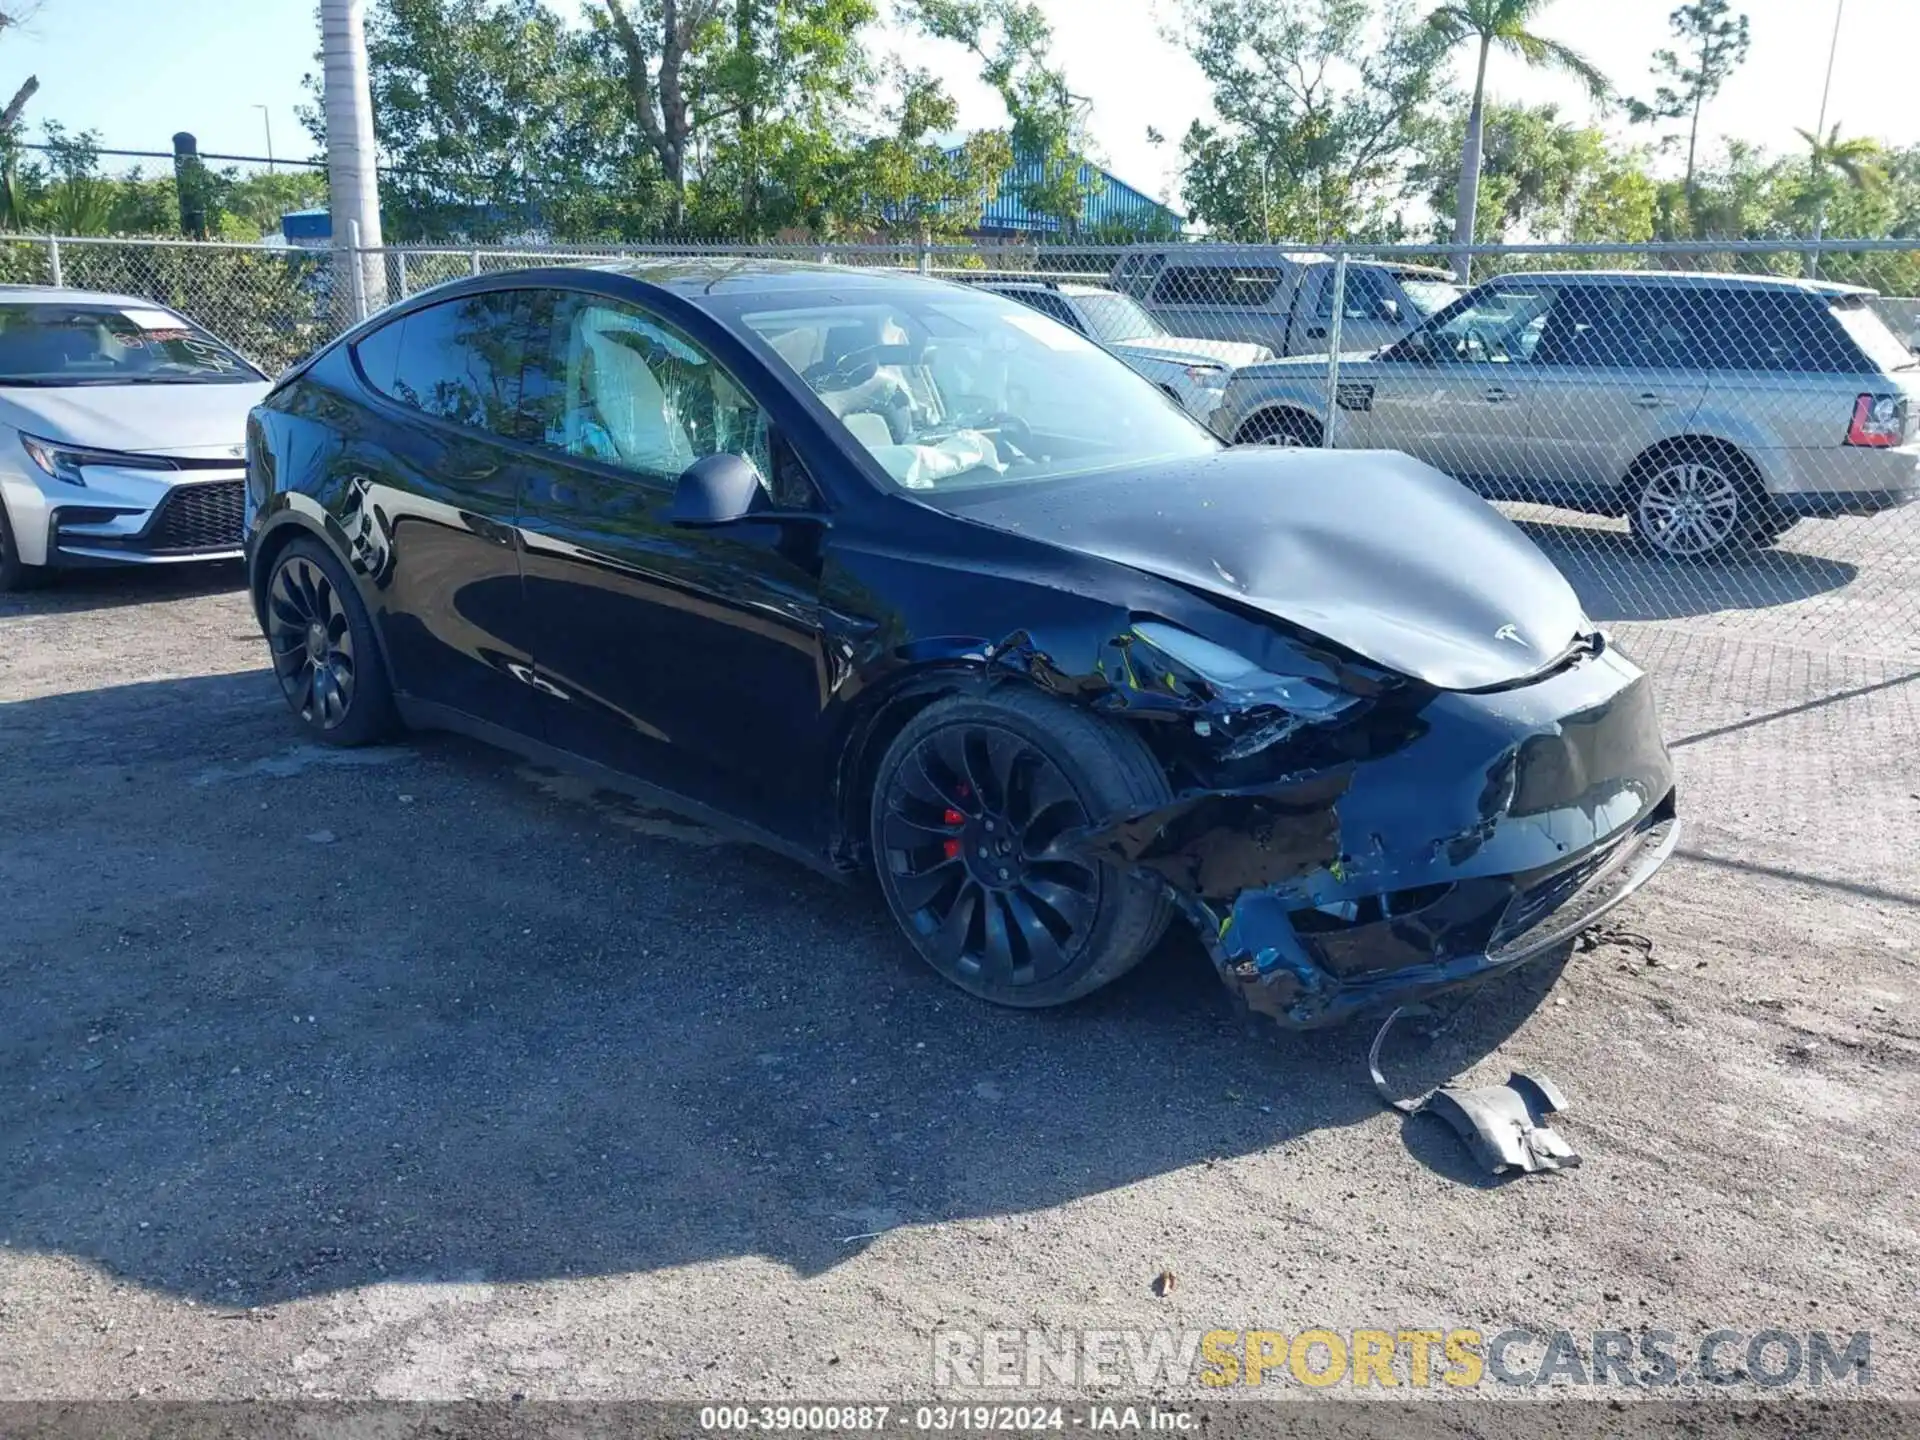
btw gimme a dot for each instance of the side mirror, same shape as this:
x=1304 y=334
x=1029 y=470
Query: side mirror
x=1418 y=347
x=717 y=490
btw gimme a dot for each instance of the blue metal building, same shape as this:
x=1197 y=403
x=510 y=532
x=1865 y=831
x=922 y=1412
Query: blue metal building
x=1113 y=203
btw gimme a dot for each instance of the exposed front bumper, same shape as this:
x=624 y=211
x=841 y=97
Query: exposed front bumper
x=1529 y=915
x=1469 y=833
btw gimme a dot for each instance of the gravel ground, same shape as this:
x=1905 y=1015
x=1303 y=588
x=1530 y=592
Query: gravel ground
x=418 y=1072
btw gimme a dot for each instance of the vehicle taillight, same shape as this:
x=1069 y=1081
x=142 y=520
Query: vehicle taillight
x=1878 y=421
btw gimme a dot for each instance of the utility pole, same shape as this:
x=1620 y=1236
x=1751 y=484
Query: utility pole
x=353 y=182
x=1820 y=138
x=266 y=119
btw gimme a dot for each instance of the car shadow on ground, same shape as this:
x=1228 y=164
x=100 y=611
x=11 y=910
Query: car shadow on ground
x=73 y=591
x=284 y=1020
x=1619 y=579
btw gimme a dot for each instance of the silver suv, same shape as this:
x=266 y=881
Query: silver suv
x=1711 y=410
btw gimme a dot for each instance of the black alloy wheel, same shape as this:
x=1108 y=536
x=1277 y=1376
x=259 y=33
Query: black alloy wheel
x=967 y=819
x=322 y=648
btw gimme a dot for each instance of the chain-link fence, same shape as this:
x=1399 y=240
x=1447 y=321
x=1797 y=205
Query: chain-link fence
x=1696 y=434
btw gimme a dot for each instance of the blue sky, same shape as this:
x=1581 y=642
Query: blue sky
x=138 y=70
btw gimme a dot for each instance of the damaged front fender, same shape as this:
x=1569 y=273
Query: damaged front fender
x=1470 y=835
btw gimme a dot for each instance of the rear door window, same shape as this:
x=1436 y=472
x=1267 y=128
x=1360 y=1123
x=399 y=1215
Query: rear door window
x=460 y=361
x=1610 y=327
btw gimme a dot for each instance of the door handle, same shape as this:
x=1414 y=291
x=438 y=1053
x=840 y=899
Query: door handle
x=1650 y=401
x=1318 y=332
x=1497 y=396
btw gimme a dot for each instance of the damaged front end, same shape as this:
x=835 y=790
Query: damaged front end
x=1345 y=839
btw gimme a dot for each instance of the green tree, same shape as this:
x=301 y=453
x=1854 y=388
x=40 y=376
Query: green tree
x=785 y=86
x=1541 y=179
x=905 y=183
x=1837 y=165
x=1489 y=25
x=252 y=207
x=1716 y=42
x=1046 y=119
x=494 y=118
x=1322 y=103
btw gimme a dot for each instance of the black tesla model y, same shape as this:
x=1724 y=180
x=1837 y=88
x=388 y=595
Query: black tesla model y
x=897 y=574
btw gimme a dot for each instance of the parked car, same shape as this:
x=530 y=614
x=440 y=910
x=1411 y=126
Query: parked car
x=1192 y=372
x=122 y=431
x=880 y=570
x=1264 y=295
x=1711 y=410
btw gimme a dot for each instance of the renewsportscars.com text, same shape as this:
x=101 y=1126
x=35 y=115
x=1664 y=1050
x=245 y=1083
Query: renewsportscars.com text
x=1320 y=1358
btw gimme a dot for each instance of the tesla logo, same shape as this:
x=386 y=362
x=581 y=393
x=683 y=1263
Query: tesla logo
x=236 y=451
x=1508 y=632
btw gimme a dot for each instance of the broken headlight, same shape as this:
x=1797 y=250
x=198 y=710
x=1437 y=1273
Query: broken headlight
x=1236 y=680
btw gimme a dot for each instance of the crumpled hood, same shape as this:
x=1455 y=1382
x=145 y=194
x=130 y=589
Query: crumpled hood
x=1179 y=350
x=186 y=421
x=1372 y=550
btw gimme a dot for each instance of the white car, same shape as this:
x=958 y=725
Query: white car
x=122 y=435
x=1194 y=372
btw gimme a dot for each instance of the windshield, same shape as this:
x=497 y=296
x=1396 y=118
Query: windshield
x=1867 y=330
x=951 y=391
x=60 y=344
x=1429 y=297
x=1115 y=317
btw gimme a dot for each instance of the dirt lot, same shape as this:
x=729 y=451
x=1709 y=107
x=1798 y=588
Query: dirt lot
x=416 y=1072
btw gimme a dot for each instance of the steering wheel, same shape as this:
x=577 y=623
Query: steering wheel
x=1007 y=429
x=848 y=372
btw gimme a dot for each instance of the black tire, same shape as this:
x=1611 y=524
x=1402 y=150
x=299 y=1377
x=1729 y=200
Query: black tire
x=1700 y=502
x=965 y=804
x=15 y=573
x=1283 y=429
x=324 y=651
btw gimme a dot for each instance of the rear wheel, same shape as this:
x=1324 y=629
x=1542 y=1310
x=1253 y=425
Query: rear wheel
x=1701 y=502
x=1286 y=429
x=968 y=807
x=324 y=650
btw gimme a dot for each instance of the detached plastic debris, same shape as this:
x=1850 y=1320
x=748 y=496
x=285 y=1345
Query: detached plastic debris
x=1505 y=1126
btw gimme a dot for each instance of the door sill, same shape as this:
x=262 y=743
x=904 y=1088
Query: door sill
x=429 y=715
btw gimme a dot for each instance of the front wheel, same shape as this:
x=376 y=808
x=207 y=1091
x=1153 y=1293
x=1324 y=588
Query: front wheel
x=324 y=651
x=1284 y=429
x=969 y=806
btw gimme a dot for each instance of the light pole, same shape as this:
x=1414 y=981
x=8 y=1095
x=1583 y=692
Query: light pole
x=266 y=119
x=1819 y=139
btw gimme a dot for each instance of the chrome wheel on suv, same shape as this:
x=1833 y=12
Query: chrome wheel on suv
x=1698 y=505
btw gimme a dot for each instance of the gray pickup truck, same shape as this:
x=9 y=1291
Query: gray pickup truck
x=1282 y=299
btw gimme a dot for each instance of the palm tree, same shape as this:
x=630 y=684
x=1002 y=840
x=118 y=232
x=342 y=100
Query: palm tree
x=1502 y=24
x=1838 y=163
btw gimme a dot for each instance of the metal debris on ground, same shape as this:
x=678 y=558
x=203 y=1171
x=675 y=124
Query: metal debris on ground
x=1505 y=1126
